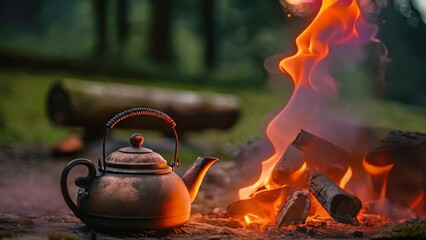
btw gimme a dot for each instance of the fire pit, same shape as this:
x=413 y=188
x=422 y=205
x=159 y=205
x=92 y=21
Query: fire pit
x=309 y=178
x=298 y=171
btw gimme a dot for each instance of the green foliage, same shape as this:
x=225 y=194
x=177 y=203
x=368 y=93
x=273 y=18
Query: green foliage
x=406 y=230
x=22 y=109
x=244 y=35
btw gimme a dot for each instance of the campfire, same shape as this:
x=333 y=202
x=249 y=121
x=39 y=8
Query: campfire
x=310 y=174
x=318 y=172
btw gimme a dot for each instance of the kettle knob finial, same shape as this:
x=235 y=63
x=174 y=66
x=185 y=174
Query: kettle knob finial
x=136 y=140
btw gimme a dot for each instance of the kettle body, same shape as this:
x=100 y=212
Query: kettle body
x=134 y=188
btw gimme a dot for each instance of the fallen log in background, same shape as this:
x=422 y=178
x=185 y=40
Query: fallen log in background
x=340 y=205
x=91 y=104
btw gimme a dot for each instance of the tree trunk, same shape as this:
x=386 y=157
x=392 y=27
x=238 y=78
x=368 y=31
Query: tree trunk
x=101 y=43
x=160 y=37
x=122 y=23
x=209 y=33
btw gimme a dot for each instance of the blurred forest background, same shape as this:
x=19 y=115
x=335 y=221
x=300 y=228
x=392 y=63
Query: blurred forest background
x=218 y=45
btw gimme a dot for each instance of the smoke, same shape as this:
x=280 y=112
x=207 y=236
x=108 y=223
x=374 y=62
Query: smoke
x=300 y=7
x=336 y=104
x=306 y=7
x=338 y=70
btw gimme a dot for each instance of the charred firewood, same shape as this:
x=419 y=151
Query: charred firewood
x=406 y=151
x=340 y=205
x=326 y=156
x=270 y=195
x=315 y=152
x=310 y=143
x=239 y=208
x=292 y=160
x=385 y=208
x=295 y=210
x=260 y=203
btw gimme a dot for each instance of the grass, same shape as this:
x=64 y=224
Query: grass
x=406 y=230
x=23 y=117
x=22 y=110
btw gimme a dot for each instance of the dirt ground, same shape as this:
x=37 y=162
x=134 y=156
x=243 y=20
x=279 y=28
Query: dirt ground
x=32 y=207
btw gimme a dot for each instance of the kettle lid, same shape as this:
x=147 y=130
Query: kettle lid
x=136 y=159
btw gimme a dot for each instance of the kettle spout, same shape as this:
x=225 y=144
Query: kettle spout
x=195 y=174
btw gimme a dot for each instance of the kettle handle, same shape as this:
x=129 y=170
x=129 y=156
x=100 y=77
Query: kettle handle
x=140 y=112
x=83 y=182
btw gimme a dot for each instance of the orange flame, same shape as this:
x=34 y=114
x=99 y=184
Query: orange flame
x=294 y=176
x=338 y=22
x=345 y=178
x=417 y=202
x=376 y=170
x=251 y=218
x=267 y=167
x=379 y=170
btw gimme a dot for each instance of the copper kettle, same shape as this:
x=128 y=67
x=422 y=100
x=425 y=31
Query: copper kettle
x=134 y=187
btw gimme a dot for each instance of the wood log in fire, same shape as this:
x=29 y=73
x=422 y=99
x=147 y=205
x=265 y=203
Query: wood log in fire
x=317 y=153
x=240 y=208
x=324 y=155
x=260 y=203
x=295 y=210
x=291 y=161
x=91 y=104
x=406 y=151
x=340 y=205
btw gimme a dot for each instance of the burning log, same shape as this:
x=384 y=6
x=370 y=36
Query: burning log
x=328 y=157
x=314 y=152
x=406 y=152
x=242 y=207
x=261 y=203
x=385 y=208
x=70 y=101
x=290 y=162
x=308 y=142
x=340 y=205
x=295 y=210
x=399 y=146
